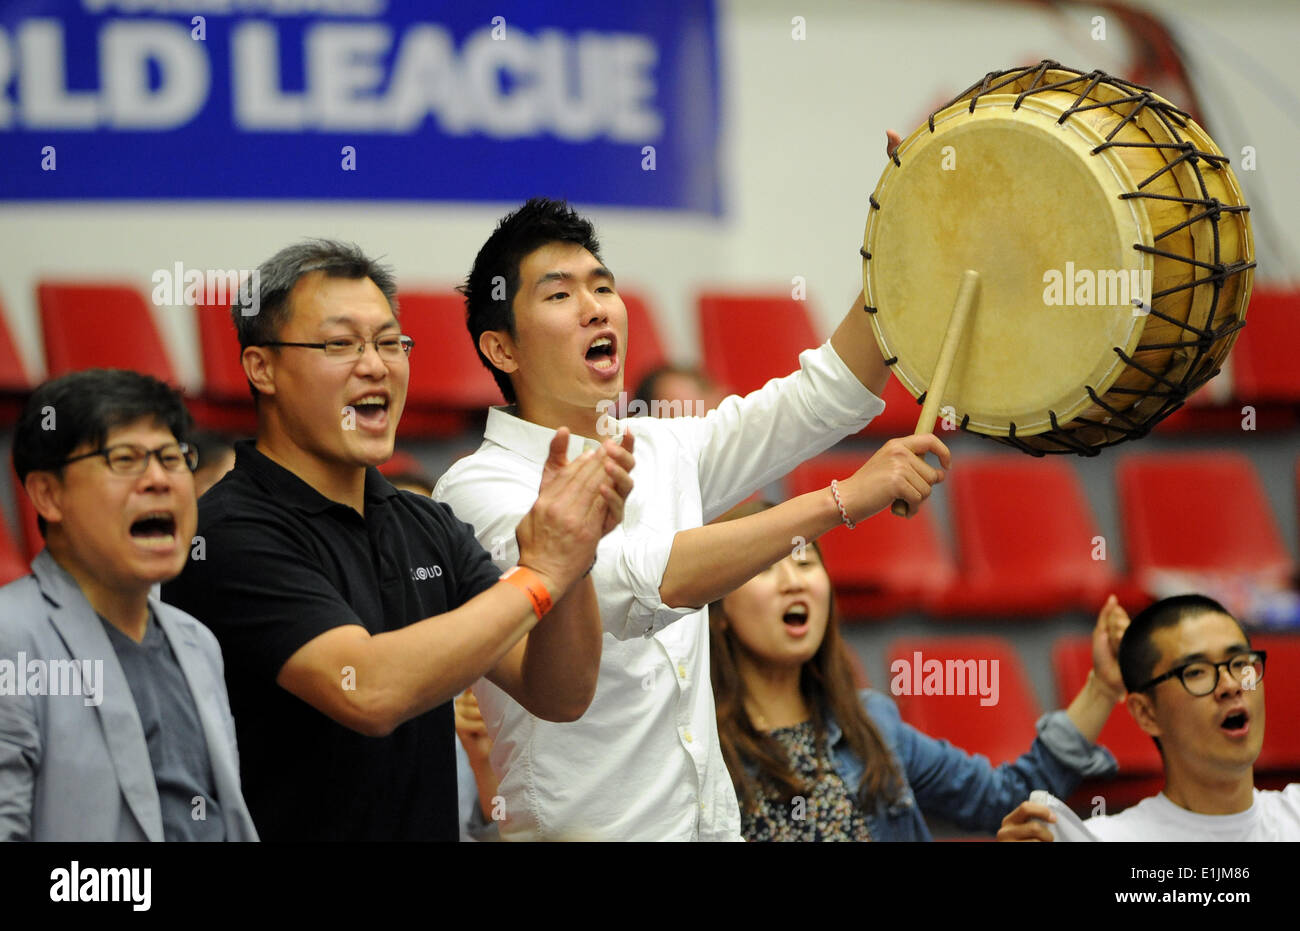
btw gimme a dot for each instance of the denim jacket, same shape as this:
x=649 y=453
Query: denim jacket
x=966 y=789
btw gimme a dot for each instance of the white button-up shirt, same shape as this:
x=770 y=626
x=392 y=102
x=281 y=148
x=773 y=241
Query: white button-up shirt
x=643 y=763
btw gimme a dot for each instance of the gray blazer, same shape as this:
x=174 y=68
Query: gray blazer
x=73 y=770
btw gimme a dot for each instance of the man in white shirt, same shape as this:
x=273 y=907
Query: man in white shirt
x=643 y=763
x=1196 y=686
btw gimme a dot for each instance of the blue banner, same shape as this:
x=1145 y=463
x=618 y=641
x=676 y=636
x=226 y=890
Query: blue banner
x=596 y=101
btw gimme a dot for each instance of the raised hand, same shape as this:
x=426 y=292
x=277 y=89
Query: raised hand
x=1112 y=621
x=897 y=470
x=577 y=503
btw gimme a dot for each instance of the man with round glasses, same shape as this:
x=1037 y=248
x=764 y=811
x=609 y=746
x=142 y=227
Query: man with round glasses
x=114 y=721
x=350 y=613
x=1196 y=686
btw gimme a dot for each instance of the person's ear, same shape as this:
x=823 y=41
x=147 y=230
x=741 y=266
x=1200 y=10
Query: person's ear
x=46 y=494
x=500 y=349
x=259 y=368
x=1143 y=710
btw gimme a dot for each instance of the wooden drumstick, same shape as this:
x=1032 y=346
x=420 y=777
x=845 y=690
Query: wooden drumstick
x=947 y=352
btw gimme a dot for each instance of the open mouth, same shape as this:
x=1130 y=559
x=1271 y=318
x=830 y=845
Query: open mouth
x=601 y=354
x=796 y=618
x=1236 y=724
x=156 y=529
x=372 y=411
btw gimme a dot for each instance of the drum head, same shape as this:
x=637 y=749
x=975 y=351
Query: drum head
x=1015 y=194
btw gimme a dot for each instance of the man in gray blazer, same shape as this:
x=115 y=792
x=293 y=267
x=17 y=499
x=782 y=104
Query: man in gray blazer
x=114 y=720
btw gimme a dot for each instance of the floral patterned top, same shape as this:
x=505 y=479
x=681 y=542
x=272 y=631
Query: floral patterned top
x=828 y=813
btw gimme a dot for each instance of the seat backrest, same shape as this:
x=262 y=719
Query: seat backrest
x=1281 y=683
x=1024 y=519
x=445 y=369
x=645 y=350
x=1204 y=512
x=13 y=374
x=917 y=560
x=746 y=340
x=223 y=374
x=100 y=326
x=1133 y=748
x=1263 y=360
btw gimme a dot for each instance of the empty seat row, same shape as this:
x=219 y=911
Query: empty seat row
x=745 y=340
x=110 y=325
x=1027 y=543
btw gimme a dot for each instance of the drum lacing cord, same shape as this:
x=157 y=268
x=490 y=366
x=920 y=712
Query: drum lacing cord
x=1212 y=211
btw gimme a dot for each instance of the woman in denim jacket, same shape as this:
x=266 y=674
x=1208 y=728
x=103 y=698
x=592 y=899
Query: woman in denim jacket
x=813 y=759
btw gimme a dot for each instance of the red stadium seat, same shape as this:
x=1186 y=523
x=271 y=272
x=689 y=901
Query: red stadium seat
x=223 y=374
x=1025 y=539
x=645 y=350
x=100 y=326
x=225 y=403
x=14 y=380
x=1141 y=771
x=1001 y=731
x=1198 y=512
x=901 y=412
x=885 y=565
x=449 y=385
x=746 y=340
x=13 y=374
x=1263 y=360
x=1281 y=683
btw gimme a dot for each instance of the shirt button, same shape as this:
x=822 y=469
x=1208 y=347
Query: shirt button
x=681 y=670
x=687 y=735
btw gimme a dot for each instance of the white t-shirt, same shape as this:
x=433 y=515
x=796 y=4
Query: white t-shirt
x=1273 y=816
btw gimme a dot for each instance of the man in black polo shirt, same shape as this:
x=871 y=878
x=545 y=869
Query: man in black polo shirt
x=349 y=613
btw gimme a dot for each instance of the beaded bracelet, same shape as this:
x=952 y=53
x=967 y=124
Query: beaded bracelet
x=835 y=493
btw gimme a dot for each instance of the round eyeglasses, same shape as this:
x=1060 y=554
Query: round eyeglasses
x=1201 y=677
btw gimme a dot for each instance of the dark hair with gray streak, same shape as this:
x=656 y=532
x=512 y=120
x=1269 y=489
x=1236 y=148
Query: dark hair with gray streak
x=278 y=275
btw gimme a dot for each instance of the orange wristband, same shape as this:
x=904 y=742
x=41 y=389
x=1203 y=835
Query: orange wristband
x=530 y=583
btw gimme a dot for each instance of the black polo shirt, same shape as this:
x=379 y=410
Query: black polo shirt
x=282 y=564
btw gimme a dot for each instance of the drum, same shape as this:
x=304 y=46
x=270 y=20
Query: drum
x=1113 y=249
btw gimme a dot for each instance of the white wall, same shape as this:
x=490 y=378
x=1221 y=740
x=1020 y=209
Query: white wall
x=803 y=147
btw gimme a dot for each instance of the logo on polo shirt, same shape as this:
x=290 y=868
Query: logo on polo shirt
x=423 y=573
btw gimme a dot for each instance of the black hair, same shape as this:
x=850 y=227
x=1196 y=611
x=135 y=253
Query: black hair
x=1138 y=656
x=82 y=408
x=493 y=282
x=262 y=320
